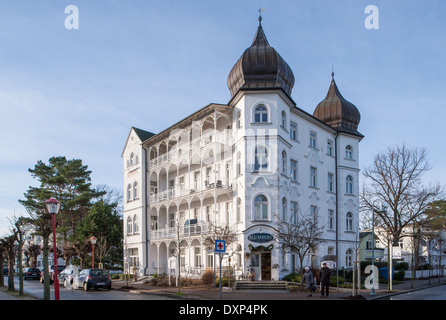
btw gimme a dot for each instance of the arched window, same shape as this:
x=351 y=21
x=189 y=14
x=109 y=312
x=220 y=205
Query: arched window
x=239 y=209
x=349 y=185
x=284 y=209
x=129 y=192
x=135 y=224
x=284 y=119
x=349 y=152
x=261 y=207
x=261 y=159
x=132 y=155
x=260 y=114
x=284 y=162
x=135 y=190
x=238 y=169
x=349 y=258
x=349 y=221
x=129 y=225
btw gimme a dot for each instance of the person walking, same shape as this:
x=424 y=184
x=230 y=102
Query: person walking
x=325 y=279
x=308 y=277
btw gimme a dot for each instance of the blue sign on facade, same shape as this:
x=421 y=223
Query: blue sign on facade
x=260 y=237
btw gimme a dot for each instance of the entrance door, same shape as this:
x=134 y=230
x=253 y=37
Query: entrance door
x=266 y=265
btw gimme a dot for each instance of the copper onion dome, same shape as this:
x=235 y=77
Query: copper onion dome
x=260 y=67
x=337 y=112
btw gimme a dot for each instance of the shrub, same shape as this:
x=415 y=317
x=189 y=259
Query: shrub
x=293 y=277
x=207 y=277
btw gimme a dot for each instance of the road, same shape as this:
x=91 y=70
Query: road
x=35 y=288
x=433 y=293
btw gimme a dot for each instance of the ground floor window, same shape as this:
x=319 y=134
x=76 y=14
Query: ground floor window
x=133 y=257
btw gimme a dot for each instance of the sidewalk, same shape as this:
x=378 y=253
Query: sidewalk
x=209 y=293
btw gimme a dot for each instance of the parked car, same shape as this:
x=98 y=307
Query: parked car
x=92 y=278
x=31 y=273
x=67 y=275
x=51 y=271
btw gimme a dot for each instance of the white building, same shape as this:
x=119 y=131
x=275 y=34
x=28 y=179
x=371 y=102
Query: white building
x=245 y=164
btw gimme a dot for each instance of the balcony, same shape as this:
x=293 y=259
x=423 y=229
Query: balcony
x=178 y=192
x=223 y=138
x=379 y=253
x=187 y=228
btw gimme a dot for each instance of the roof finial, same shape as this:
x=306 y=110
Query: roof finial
x=332 y=72
x=260 y=15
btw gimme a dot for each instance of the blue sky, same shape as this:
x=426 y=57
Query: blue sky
x=149 y=64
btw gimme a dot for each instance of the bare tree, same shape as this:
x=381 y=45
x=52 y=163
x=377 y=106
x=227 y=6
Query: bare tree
x=300 y=234
x=394 y=179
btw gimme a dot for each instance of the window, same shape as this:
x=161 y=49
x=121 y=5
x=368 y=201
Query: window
x=132 y=155
x=349 y=152
x=283 y=119
x=129 y=225
x=313 y=139
x=330 y=219
x=239 y=120
x=261 y=114
x=239 y=209
x=349 y=185
x=261 y=159
x=330 y=186
x=284 y=163
x=228 y=212
x=329 y=147
x=238 y=164
x=135 y=224
x=349 y=258
x=294 y=208
x=133 y=257
x=314 y=212
x=284 y=209
x=197 y=260
x=293 y=173
x=313 y=177
x=261 y=208
x=349 y=221
x=293 y=131
x=129 y=193
x=135 y=190
x=210 y=260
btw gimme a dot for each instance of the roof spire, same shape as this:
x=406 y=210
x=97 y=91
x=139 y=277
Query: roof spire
x=332 y=72
x=260 y=15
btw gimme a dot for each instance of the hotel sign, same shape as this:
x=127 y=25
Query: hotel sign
x=260 y=237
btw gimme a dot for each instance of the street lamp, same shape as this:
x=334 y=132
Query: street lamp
x=93 y=241
x=383 y=210
x=53 y=207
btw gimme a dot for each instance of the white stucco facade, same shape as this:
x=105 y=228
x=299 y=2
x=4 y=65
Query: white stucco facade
x=246 y=164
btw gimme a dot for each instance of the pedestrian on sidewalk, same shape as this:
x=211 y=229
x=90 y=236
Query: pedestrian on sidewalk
x=308 y=277
x=325 y=279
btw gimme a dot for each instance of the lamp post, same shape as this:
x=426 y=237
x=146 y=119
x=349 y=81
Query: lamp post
x=383 y=210
x=93 y=241
x=53 y=207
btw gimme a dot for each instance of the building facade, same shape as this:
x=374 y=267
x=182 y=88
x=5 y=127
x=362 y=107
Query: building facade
x=245 y=166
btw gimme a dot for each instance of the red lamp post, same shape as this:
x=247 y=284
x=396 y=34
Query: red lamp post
x=53 y=207
x=93 y=241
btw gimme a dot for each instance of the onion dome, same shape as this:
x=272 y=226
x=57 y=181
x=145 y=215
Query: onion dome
x=337 y=112
x=260 y=67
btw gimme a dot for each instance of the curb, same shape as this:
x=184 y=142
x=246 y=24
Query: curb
x=386 y=296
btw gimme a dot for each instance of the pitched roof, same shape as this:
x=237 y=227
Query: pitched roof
x=142 y=134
